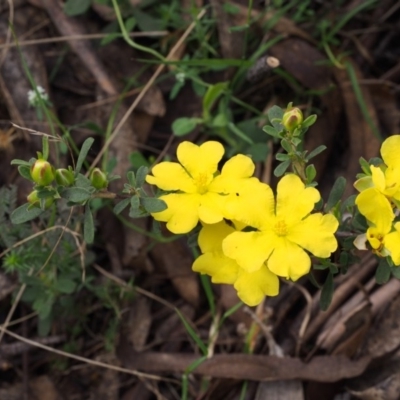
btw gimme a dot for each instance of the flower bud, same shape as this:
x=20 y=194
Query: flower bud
x=64 y=177
x=42 y=172
x=98 y=179
x=35 y=201
x=292 y=119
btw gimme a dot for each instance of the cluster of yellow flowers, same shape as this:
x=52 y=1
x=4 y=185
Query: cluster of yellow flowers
x=247 y=238
x=379 y=202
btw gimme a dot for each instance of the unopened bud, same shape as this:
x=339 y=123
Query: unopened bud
x=42 y=172
x=64 y=177
x=98 y=179
x=292 y=119
x=35 y=201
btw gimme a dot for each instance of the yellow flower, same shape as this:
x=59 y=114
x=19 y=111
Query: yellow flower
x=283 y=232
x=199 y=192
x=383 y=186
x=252 y=287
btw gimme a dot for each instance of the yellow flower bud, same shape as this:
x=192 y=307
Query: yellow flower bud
x=42 y=172
x=64 y=177
x=98 y=179
x=35 y=201
x=292 y=119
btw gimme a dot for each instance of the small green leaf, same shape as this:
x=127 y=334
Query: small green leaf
x=326 y=293
x=87 y=144
x=309 y=121
x=395 y=272
x=141 y=174
x=16 y=161
x=336 y=193
x=311 y=173
x=258 y=151
x=282 y=156
x=25 y=213
x=281 y=168
x=76 y=194
x=76 y=7
x=316 y=151
x=25 y=172
x=65 y=285
x=383 y=272
x=365 y=166
x=130 y=24
x=211 y=96
x=137 y=213
x=286 y=146
x=271 y=131
x=275 y=115
x=119 y=207
x=183 y=126
x=135 y=202
x=88 y=227
x=153 y=205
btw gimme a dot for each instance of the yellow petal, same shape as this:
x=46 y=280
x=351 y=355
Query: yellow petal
x=375 y=238
x=182 y=214
x=202 y=159
x=211 y=209
x=378 y=178
x=171 y=176
x=211 y=236
x=376 y=208
x=392 y=243
x=249 y=249
x=316 y=234
x=253 y=287
x=363 y=183
x=239 y=166
x=390 y=151
x=221 y=268
x=392 y=188
x=294 y=201
x=252 y=203
x=289 y=260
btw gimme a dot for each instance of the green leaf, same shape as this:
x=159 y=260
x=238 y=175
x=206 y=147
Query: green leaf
x=311 y=173
x=88 y=227
x=183 y=126
x=315 y=152
x=271 y=131
x=275 y=115
x=192 y=333
x=135 y=202
x=309 y=121
x=130 y=24
x=336 y=193
x=25 y=213
x=326 y=293
x=25 y=172
x=87 y=144
x=119 y=207
x=76 y=194
x=141 y=174
x=76 y=7
x=137 y=159
x=383 y=272
x=211 y=96
x=65 y=285
x=131 y=178
x=365 y=166
x=152 y=204
x=16 y=161
x=281 y=168
x=137 y=213
x=282 y=156
x=258 y=151
x=395 y=272
x=220 y=121
x=286 y=146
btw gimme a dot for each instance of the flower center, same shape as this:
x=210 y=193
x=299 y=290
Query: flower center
x=280 y=228
x=202 y=181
